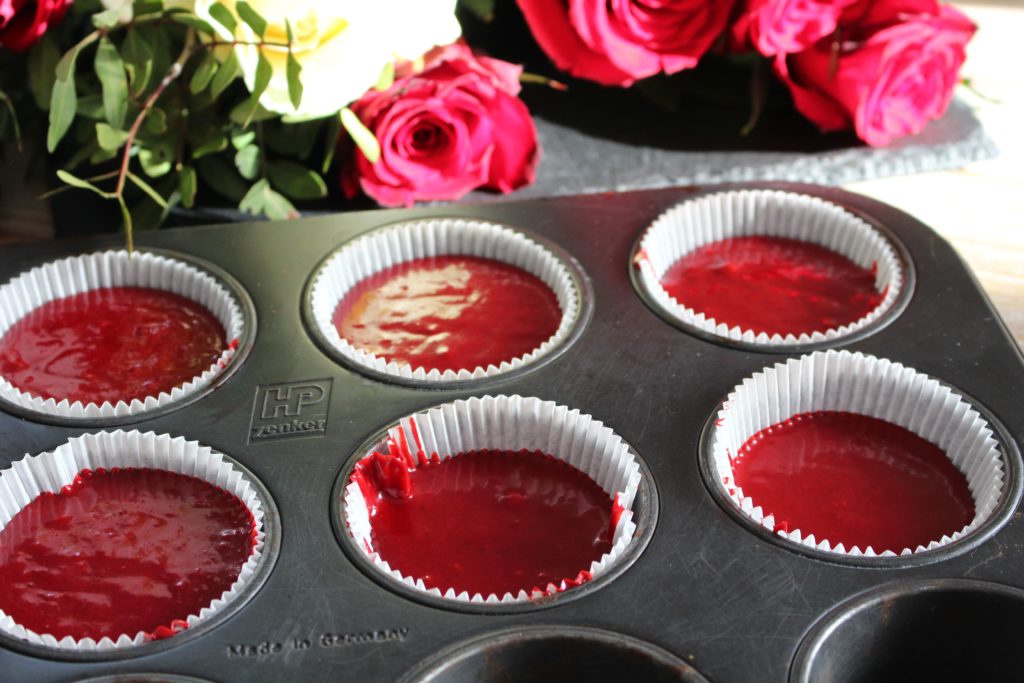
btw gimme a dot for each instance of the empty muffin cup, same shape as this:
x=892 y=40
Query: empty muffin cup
x=770 y=270
x=92 y=337
x=846 y=455
x=569 y=654
x=445 y=300
x=113 y=529
x=499 y=501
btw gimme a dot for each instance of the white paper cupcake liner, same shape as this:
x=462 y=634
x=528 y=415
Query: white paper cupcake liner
x=27 y=478
x=876 y=387
x=390 y=246
x=723 y=215
x=76 y=274
x=508 y=423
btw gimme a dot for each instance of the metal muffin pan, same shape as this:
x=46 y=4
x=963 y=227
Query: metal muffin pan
x=705 y=591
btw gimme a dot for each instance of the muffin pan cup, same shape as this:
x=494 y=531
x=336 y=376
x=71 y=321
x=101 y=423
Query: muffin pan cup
x=707 y=589
x=400 y=243
x=51 y=471
x=199 y=281
x=505 y=423
x=725 y=214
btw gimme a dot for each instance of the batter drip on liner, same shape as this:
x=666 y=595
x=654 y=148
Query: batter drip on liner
x=487 y=521
x=122 y=551
x=111 y=344
x=855 y=480
x=449 y=313
x=773 y=285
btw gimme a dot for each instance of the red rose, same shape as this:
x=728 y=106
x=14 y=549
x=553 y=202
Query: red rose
x=456 y=126
x=22 y=22
x=775 y=27
x=615 y=42
x=890 y=73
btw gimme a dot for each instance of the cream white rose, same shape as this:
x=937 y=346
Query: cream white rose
x=342 y=45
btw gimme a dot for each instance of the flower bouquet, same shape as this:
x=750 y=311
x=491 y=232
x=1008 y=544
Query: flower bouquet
x=271 y=105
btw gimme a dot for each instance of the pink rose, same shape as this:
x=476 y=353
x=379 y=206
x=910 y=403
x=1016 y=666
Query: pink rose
x=776 y=27
x=454 y=127
x=615 y=42
x=23 y=22
x=890 y=73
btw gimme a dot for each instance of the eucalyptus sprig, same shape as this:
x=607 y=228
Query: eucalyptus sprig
x=163 y=111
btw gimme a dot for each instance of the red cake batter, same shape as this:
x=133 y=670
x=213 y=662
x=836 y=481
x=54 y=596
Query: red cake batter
x=773 y=285
x=487 y=521
x=110 y=344
x=122 y=551
x=854 y=479
x=449 y=313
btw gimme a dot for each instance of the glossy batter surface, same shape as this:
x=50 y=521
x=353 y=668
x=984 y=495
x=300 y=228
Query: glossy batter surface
x=487 y=521
x=111 y=344
x=773 y=285
x=856 y=480
x=449 y=313
x=122 y=551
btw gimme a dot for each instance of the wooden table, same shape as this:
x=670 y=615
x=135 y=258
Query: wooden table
x=979 y=208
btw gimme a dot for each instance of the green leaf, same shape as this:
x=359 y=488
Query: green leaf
x=264 y=72
x=242 y=138
x=296 y=181
x=483 y=9
x=214 y=141
x=102 y=155
x=145 y=187
x=110 y=70
x=192 y=21
x=107 y=18
x=75 y=181
x=293 y=71
x=387 y=77
x=252 y=18
x=143 y=7
x=223 y=16
x=156 y=160
x=91 y=107
x=42 y=67
x=221 y=177
x=109 y=138
x=64 y=97
x=247 y=161
x=331 y=134
x=361 y=135
x=187 y=186
x=203 y=75
x=156 y=121
x=261 y=199
x=228 y=71
x=138 y=60
x=247 y=111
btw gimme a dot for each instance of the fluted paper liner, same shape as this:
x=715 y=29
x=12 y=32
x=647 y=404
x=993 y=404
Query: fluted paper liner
x=27 y=478
x=510 y=423
x=876 y=387
x=77 y=274
x=390 y=246
x=742 y=213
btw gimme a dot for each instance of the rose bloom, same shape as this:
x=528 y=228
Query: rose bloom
x=894 y=71
x=341 y=45
x=615 y=42
x=774 y=27
x=456 y=126
x=23 y=22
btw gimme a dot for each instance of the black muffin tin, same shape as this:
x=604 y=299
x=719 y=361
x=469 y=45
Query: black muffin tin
x=706 y=591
